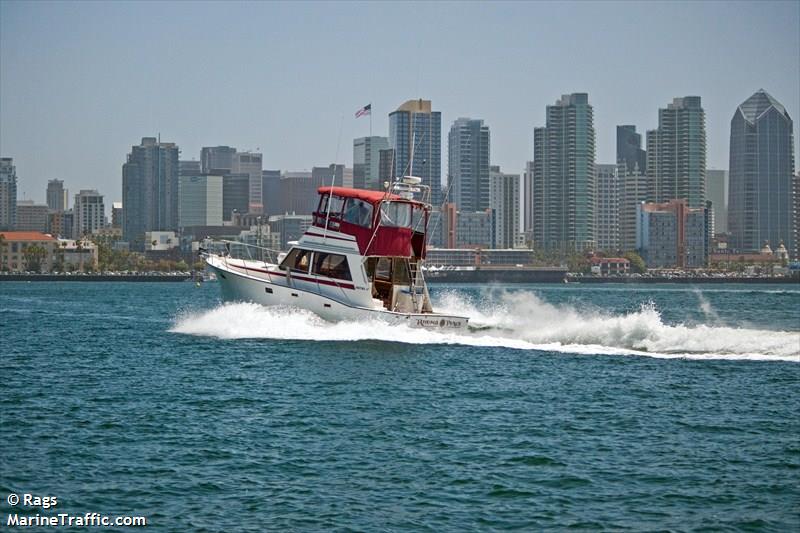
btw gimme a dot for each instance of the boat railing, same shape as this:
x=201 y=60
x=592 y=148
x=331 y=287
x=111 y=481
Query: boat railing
x=244 y=250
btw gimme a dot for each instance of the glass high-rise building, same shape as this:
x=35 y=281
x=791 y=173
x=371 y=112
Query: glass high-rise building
x=676 y=153
x=149 y=190
x=468 y=164
x=366 y=162
x=563 y=182
x=761 y=169
x=415 y=128
x=8 y=194
x=89 y=213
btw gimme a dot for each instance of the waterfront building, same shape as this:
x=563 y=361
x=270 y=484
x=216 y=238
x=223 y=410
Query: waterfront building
x=271 y=192
x=31 y=216
x=89 y=212
x=466 y=229
x=366 y=162
x=201 y=200
x=516 y=257
x=17 y=254
x=250 y=163
x=189 y=168
x=60 y=223
x=217 y=159
x=160 y=241
x=504 y=200
x=8 y=194
x=672 y=234
x=289 y=227
x=235 y=194
x=676 y=153
x=298 y=194
x=75 y=255
x=607 y=209
x=717 y=194
x=761 y=168
x=149 y=190
x=563 y=185
x=609 y=266
x=468 y=165
x=414 y=128
x=57 y=196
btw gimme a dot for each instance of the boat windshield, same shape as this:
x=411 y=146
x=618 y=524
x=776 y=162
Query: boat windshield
x=358 y=212
x=396 y=214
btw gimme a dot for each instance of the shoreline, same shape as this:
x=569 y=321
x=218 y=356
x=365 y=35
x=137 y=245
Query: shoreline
x=485 y=276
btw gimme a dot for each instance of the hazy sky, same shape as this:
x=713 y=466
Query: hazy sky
x=82 y=82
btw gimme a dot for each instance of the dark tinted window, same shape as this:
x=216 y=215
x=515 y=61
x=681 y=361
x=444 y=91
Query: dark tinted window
x=297 y=261
x=332 y=266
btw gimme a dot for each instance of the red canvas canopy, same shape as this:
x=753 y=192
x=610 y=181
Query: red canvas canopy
x=390 y=241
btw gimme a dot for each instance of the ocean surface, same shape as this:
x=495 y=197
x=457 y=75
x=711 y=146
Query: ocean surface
x=594 y=407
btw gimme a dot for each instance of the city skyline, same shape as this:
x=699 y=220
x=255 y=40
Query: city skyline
x=73 y=85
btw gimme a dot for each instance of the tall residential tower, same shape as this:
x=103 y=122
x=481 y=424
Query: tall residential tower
x=468 y=164
x=563 y=182
x=676 y=153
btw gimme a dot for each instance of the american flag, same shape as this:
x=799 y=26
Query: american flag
x=366 y=110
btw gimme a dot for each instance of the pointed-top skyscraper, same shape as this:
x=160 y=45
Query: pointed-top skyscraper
x=760 y=175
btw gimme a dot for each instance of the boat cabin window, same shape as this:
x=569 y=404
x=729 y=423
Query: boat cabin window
x=332 y=266
x=383 y=269
x=297 y=261
x=396 y=214
x=358 y=212
x=336 y=205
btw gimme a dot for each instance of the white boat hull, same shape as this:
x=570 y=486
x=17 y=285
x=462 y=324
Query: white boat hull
x=238 y=285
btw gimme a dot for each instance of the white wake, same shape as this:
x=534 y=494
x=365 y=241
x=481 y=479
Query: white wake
x=517 y=320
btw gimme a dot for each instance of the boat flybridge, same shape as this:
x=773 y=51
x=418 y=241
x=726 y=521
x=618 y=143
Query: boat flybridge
x=360 y=259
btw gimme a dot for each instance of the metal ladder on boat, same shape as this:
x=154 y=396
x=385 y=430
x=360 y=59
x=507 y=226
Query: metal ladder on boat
x=417 y=286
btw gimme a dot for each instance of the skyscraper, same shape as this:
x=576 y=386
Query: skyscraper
x=235 y=194
x=632 y=181
x=271 y=192
x=56 y=195
x=149 y=190
x=250 y=163
x=607 y=208
x=366 y=161
x=629 y=149
x=216 y=159
x=8 y=194
x=717 y=193
x=89 y=211
x=563 y=184
x=468 y=165
x=761 y=170
x=201 y=201
x=415 y=129
x=676 y=153
x=504 y=201
x=189 y=168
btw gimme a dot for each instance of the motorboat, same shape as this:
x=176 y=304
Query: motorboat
x=360 y=259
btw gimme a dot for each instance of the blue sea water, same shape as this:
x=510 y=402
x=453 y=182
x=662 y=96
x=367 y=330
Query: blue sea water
x=597 y=407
